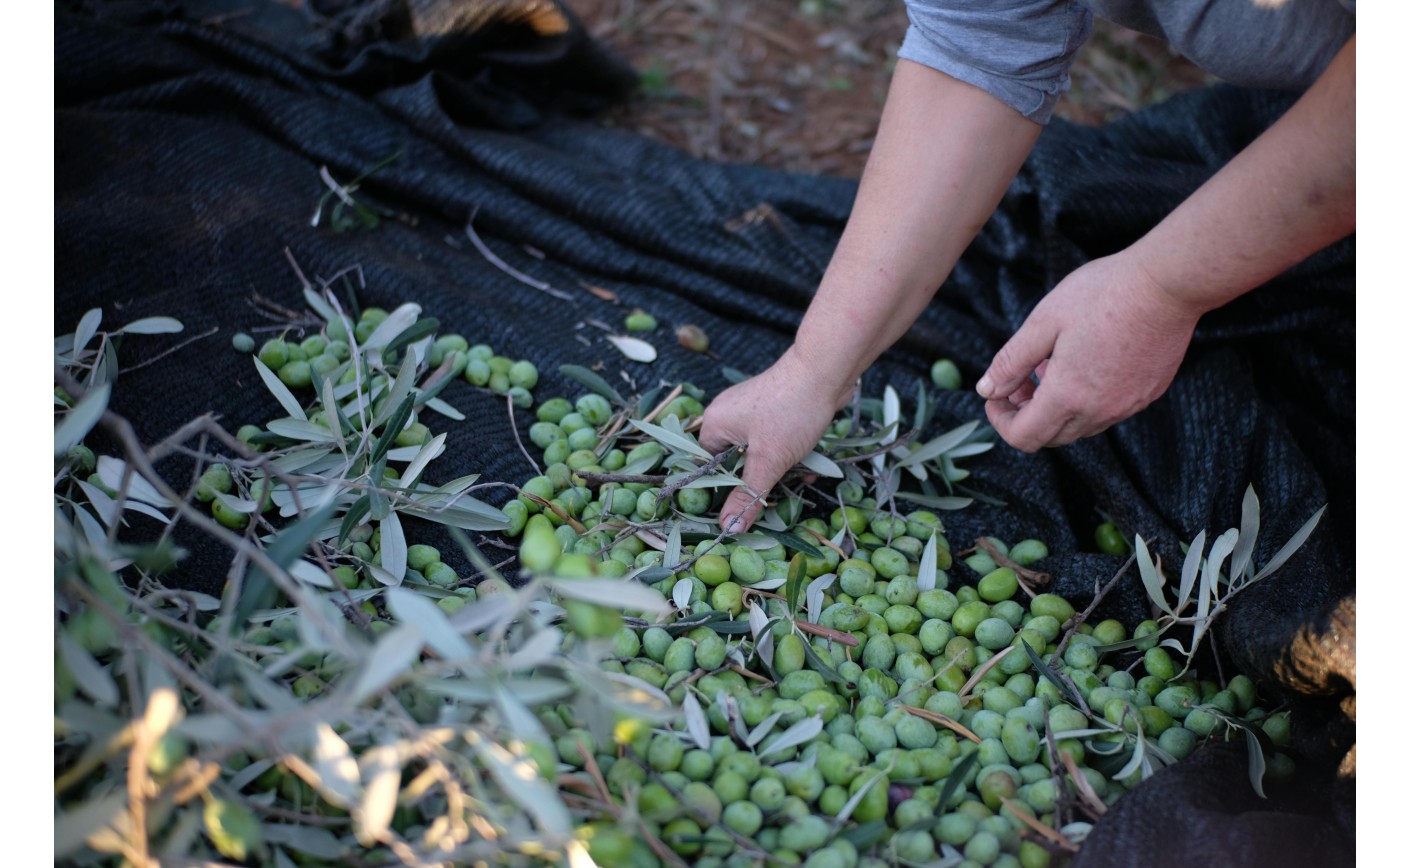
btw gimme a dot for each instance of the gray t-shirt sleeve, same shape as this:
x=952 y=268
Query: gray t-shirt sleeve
x=1018 y=51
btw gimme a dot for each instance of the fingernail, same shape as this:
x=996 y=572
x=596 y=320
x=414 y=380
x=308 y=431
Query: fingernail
x=984 y=386
x=732 y=524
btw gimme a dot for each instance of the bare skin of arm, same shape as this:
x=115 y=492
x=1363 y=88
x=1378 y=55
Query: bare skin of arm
x=944 y=155
x=1108 y=339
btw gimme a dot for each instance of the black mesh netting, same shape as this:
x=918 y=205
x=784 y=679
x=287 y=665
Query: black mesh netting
x=190 y=138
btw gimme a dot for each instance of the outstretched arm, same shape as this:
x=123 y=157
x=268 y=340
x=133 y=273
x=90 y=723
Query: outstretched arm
x=1108 y=339
x=944 y=155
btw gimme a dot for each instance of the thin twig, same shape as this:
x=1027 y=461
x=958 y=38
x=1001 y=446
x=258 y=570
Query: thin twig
x=298 y=272
x=1077 y=620
x=1025 y=575
x=702 y=471
x=514 y=426
x=159 y=356
x=506 y=267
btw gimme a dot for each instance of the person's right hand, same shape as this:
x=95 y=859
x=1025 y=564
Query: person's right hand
x=779 y=415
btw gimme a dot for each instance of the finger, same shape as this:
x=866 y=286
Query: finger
x=1031 y=427
x=1025 y=351
x=763 y=468
x=716 y=435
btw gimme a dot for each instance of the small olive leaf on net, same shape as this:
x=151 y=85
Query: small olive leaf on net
x=258 y=590
x=695 y=722
x=820 y=666
x=679 y=442
x=88 y=674
x=680 y=594
x=822 y=465
x=73 y=828
x=393 y=418
x=380 y=767
x=312 y=840
x=613 y=593
x=302 y=429
x=537 y=650
x=814 y=594
x=1241 y=559
x=797 y=576
x=762 y=730
x=389 y=660
x=311 y=573
x=445 y=409
x=250 y=772
x=409 y=607
x=280 y=391
x=520 y=724
x=954 y=781
x=1150 y=576
x=429 y=451
x=521 y=783
x=945 y=503
x=928 y=572
x=264 y=691
x=671 y=557
x=484 y=613
x=1291 y=546
x=81 y=419
x=87 y=328
x=763 y=638
x=338 y=774
x=729 y=710
x=592 y=381
x=1257 y=764
x=851 y=804
x=1138 y=752
x=152 y=325
x=1044 y=672
x=111 y=471
x=1189 y=571
x=635 y=349
x=417 y=331
x=327 y=631
x=393 y=551
x=107 y=509
x=396 y=322
x=941 y=445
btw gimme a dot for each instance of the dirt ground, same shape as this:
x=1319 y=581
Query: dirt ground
x=799 y=84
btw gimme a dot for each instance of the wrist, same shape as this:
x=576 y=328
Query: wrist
x=820 y=369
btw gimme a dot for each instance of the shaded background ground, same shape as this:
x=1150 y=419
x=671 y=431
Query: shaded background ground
x=798 y=85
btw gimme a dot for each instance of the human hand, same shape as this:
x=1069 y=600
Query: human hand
x=1104 y=344
x=780 y=415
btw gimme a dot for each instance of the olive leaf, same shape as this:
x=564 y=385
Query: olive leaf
x=592 y=381
x=280 y=391
x=696 y=724
x=635 y=349
x=152 y=325
x=802 y=731
x=338 y=775
x=928 y=572
x=81 y=419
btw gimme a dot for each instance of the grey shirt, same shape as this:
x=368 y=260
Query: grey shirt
x=1020 y=50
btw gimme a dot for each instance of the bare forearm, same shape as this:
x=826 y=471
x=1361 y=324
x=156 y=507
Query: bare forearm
x=944 y=155
x=1286 y=196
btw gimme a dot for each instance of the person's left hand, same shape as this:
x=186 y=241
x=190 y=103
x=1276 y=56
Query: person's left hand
x=1104 y=343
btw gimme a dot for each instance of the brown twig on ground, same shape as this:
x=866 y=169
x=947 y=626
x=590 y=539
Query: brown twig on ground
x=514 y=426
x=702 y=471
x=1077 y=620
x=506 y=267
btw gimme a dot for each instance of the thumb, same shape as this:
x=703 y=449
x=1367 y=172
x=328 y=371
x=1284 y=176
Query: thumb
x=763 y=468
x=1016 y=360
